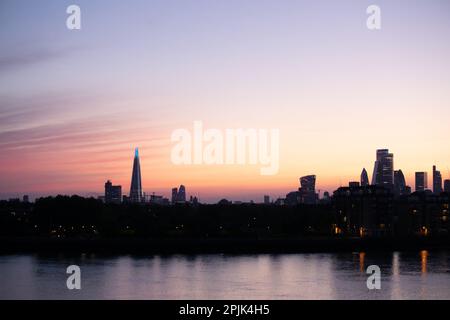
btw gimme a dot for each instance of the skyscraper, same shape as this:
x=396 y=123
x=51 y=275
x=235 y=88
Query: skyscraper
x=447 y=185
x=179 y=195
x=383 y=171
x=182 y=194
x=437 y=181
x=308 y=183
x=174 y=195
x=399 y=183
x=364 y=178
x=421 y=181
x=307 y=190
x=136 y=186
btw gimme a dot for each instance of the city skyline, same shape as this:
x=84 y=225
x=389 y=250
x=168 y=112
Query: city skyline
x=73 y=103
x=384 y=175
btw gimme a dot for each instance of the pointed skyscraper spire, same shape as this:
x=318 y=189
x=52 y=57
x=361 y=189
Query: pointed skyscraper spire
x=136 y=187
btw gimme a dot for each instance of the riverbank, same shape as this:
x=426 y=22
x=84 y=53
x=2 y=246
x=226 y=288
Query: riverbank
x=220 y=245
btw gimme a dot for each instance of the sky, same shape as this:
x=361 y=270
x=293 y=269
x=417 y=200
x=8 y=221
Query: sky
x=75 y=103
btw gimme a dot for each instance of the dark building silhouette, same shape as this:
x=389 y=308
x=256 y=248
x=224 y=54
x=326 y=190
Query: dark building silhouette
x=408 y=190
x=193 y=200
x=113 y=194
x=306 y=194
x=399 y=183
x=353 y=184
x=447 y=186
x=26 y=198
x=423 y=213
x=383 y=171
x=363 y=211
x=326 y=198
x=421 y=181
x=308 y=183
x=179 y=195
x=307 y=191
x=182 y=194
x=136 y=185
x=280 y=202
x=293 y=198
x=266 y=199
x=224 y=202
x=364 y=178
x=174 y=195
x=437 y=181
x=155 y=199
x=158 y=200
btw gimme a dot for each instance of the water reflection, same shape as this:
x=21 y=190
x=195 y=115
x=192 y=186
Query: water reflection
x=221 y=276
x=361 y=261
x=424 y=258
x=396 y=293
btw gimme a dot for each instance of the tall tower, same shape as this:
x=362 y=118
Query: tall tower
x=383 y=171
x=136 y=187
x=182 y=194
x=421 y=181
x=174 y=195
x=437 y=181
x=364 y=178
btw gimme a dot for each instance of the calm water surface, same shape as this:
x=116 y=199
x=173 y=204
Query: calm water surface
x=412 y=275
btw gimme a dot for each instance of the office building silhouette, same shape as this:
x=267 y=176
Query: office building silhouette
x=421 y=181
x=113 y=194
x=399 y=183
x=437 y=181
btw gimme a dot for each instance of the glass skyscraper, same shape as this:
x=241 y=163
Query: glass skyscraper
x=383 y=171
x=421 y=181
x=437 y=181
x=364 y=178
x=136 y=186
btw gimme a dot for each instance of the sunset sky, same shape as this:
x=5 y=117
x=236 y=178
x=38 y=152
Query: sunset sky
x=75 y=103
